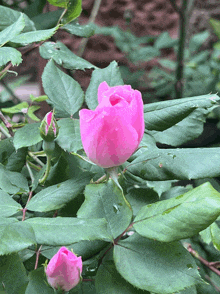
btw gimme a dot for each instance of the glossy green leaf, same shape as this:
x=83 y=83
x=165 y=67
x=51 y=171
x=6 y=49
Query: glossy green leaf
x=79 y=30
x=108 y=280
x=110 y=74
x=15 y=235
x=176 y=164
x=74 y=9
x=181 y=217
x=106 y=201
x=155 y=266
x=13 y=274
x=9 y=16
x=35 y=36
x=22 y=136
x=8 y=206
x=65 y=93
x=63 y=56
x=38 y=283
x=69 y=137
x=178 y=121
x=67 y=230
x=17 y=160
x=10 y=54
x=12 y=182
x=11 y=31
x=56 y=196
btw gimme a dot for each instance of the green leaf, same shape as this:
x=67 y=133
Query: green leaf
x=178 y=121
x=38 y=283
x=18 y=108
x=69 y=137
x=59 y=3
x=15 y=236
x=6 y=149
x=10 y=54
x=165 y=41
x=67 y=230
x=144 y=262
x=47 y=20
x=13 y=274
x=110 y=74
x=22 y=136
x=12 y=182
x=215 y=235
x=74 y=9
x=8 y=206
x=106 y=201
x=65 y=94
x=181 y=217
x=56 y=196
x=35 y=36
x=31 y=111
x=216 y=26
x=11 y=31
x=39 y=98
x=9 y=16
x=17 y=160
x=176 y=164
x=63 y=56
x=84 y=31
x=108 y=280
x=197 y=40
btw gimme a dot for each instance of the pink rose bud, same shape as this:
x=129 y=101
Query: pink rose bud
x=112 y=132
x=64 y=270
x=48 y=128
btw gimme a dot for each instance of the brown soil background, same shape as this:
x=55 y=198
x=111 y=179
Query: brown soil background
x=149 y=17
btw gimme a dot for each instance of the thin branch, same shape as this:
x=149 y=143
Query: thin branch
x=7 y=124
x=183 y=18
x=92 y=18
x=202 y=260
x=37 y=257
x=212 y=283
x=25 y=209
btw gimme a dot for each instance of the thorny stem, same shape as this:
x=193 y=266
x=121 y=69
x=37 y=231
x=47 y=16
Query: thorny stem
x=210 y=265
x=93 y=15
x=37 y=257
x=7 y=124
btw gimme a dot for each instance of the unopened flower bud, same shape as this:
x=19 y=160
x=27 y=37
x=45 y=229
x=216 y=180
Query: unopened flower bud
x=49 y=129
x=64 y=270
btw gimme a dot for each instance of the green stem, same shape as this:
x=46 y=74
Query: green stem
x=42 y=180
x=180 y=55
x=113 y=173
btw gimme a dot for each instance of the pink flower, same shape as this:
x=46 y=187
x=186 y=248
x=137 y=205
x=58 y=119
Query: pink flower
x=64 y=270
x=113 y=131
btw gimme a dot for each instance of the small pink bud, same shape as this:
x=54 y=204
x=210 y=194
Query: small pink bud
x=48 y=127
x=64 y=270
